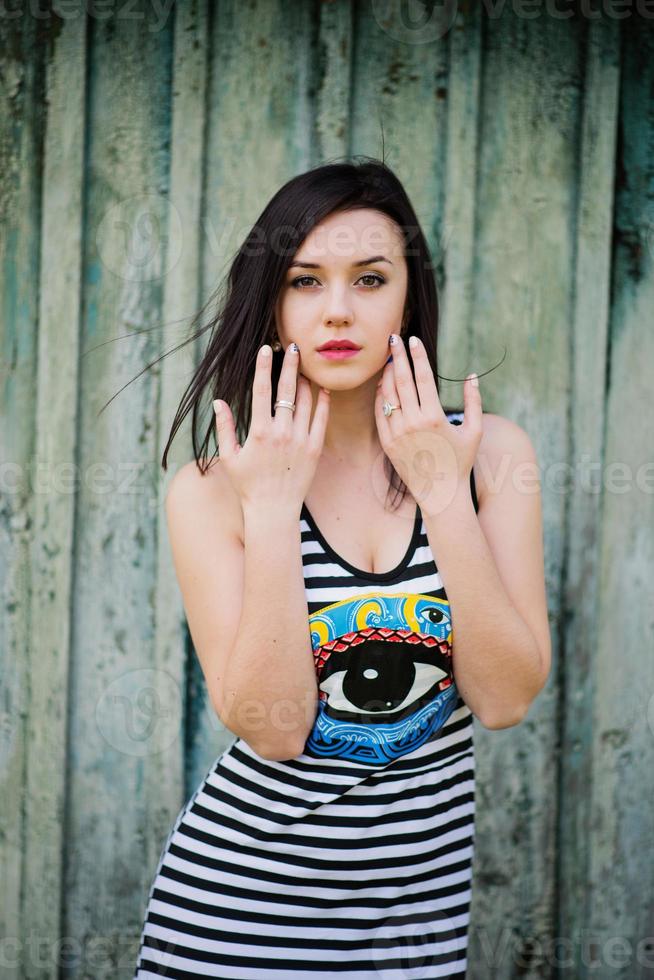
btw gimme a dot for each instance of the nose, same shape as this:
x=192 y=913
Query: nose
x=338 y=309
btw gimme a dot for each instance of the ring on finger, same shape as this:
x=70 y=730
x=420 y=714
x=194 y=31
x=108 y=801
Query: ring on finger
x=281 y=403
x=388 y=408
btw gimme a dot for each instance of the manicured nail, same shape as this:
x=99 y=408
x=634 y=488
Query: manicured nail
x=294 y=347
x=413 y=341
x=392 y=340
x=217 y=405
x=475 y=380
x=266 y=350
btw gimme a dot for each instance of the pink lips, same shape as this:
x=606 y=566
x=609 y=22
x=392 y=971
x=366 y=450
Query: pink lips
x=338 y=355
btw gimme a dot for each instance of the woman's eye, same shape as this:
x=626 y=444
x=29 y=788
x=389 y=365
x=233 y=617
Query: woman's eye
x=376 y=278
x=299 y=279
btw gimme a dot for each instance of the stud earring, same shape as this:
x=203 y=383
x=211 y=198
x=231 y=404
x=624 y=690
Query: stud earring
x=276 y=345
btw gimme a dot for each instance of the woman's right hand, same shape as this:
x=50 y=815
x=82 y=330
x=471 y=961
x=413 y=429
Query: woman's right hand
x=278 y=460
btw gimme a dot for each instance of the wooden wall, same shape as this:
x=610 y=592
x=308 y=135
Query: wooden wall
x=135 y=151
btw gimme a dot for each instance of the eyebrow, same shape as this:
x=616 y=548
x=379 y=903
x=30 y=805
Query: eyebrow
x=316 y=265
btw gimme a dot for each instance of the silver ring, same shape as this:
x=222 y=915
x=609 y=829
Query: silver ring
x=388 y=408
x=284 y=404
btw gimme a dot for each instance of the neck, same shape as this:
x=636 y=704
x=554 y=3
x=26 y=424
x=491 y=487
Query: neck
x=351 y=435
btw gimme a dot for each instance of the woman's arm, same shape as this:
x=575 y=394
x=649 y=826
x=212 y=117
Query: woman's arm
x=270 y=690
x=493 y=571
x=246 y=608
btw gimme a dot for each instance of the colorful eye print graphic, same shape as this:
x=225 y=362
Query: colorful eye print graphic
x=384 y=666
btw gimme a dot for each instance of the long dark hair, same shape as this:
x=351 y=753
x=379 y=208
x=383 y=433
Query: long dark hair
x=243 y=319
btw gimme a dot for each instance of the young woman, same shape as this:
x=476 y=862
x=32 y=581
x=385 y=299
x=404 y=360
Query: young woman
x=346 y=643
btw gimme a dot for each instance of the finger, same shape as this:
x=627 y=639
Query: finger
x=287 y=385
x=403 y=378
x=389 y=392
x=319 y=423
x=472 y=408
x=303 y=404
x=225 y=430
x=261 y=390
x=425 y=382
x=383 y=428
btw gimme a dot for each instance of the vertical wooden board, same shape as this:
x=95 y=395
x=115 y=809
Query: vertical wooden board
x=259 y=116
x=522 y=299
x=334 y=70
x=460 y=205
x=21 y=79
x=54 y=502
x=259 y=134
x=399 y=90
x=621 y=901
x=579 y=620
x=181 y=302
x=123 y=710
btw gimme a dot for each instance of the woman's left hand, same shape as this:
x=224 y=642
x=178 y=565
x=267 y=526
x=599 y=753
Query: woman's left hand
x=433 y=457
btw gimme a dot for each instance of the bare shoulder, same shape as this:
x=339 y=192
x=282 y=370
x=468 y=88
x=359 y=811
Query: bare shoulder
x=504 y=444
x=207 y=494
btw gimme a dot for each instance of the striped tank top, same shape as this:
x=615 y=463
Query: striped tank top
x=355 y=857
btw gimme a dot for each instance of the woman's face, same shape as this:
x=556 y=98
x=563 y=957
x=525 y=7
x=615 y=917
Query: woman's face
x=348 y=281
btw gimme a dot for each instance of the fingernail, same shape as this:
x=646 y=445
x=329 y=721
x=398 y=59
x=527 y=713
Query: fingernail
x=217 y=405
x=475 y=380
x=294 y=347
x=266 y=350
x=392 y=339
x=389 y=360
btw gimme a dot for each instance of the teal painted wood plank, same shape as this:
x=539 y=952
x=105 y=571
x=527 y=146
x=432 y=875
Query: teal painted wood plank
x=620 y=897
x=457 y=235
x=582 y=588
x=124 y=708
x=20 y=150
x=54 y=510
x=334 y=57
x=258 y=119
x=399 y=99
x=181 y=299
x=524 y=241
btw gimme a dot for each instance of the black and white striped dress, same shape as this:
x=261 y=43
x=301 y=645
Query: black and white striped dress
x=355 y=858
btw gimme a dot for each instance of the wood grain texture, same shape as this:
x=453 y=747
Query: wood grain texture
x=580 y=596
x=21 y=141
x=135 y=154
x=522 y=303
x=620 y=898
x=53 y=570
x=125 y=703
